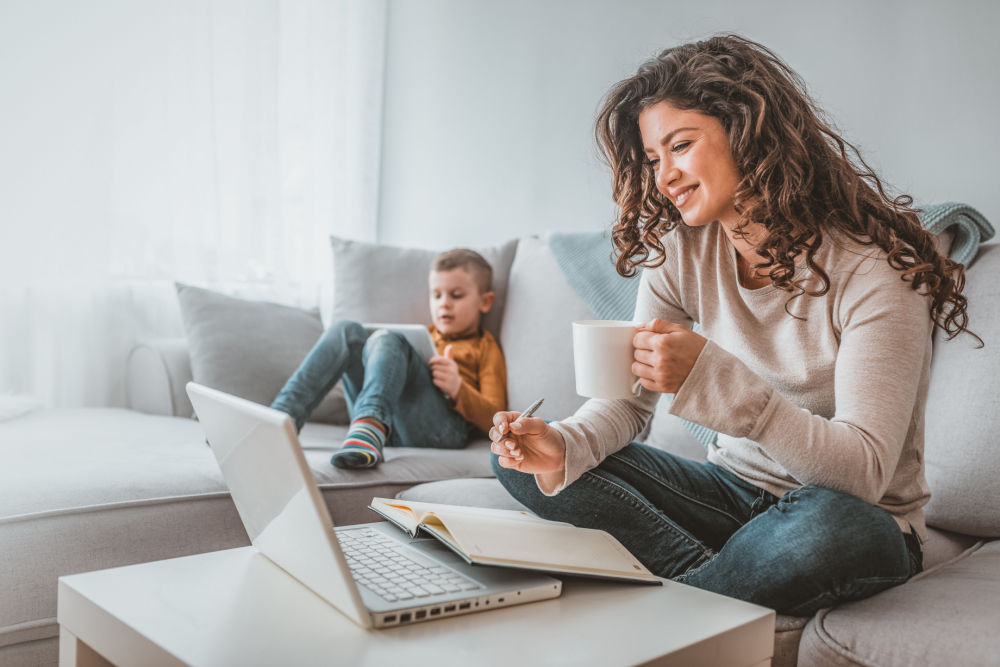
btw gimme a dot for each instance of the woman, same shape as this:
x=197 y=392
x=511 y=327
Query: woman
x=817 y=295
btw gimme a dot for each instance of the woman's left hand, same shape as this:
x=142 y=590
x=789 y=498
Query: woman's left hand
x=664 y=355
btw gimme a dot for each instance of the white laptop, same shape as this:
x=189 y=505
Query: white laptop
x=373 y=573
x=416 y=335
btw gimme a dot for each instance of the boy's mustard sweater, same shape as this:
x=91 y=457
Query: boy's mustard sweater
x=484 y=375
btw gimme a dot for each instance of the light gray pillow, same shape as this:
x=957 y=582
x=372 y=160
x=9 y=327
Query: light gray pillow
x=383 y=283
x=963 y=413
x=538 y=333
x=250 y=348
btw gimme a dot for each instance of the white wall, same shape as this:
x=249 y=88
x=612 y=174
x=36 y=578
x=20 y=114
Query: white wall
x=488 y=127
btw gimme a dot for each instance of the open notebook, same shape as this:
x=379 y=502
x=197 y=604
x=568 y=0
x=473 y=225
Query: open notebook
x=517 y=539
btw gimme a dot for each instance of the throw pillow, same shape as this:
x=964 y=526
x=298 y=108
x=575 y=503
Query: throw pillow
x=963 y=413
x=250 y=348
x=382 y=283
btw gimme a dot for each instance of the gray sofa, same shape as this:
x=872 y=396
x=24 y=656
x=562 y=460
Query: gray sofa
x=95 y=488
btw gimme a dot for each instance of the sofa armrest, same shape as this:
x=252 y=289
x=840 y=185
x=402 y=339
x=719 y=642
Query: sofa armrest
x=156 y=374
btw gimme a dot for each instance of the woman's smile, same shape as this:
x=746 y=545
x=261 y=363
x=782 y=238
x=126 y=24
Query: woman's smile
x=692 y=163
x=682 y=197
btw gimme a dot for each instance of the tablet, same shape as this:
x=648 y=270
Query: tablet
x=416 y=335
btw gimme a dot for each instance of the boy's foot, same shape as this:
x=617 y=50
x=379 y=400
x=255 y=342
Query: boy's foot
x=363 y=445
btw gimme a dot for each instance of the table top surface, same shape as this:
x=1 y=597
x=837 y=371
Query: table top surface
x=237 y=607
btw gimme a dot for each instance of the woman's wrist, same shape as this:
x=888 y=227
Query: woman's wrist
x=550 y=481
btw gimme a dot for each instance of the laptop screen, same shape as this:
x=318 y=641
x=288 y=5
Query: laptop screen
x=276 y=496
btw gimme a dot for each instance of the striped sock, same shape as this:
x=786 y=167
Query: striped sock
x=363 y=445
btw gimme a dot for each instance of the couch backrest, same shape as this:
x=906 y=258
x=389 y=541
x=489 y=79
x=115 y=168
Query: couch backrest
x=962 y=446
x=537 y=332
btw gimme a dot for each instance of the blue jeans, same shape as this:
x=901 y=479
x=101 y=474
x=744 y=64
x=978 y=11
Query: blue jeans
x=384 y=378
x=700 y=524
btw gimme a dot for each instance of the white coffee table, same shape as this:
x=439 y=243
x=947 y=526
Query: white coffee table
x=237 y=608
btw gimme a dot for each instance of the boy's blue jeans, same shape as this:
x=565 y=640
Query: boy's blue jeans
x=700 y=524
x=383 y=378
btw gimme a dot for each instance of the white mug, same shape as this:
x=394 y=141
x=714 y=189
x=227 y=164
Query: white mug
x=602 y=358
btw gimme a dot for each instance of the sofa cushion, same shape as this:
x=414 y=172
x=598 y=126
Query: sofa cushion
x=467 y=492
x=942 y=546
x=538 y=332
x=250 y=348
x=96 y=488
x=963 y=413
x=947 y=617
x=383 y=283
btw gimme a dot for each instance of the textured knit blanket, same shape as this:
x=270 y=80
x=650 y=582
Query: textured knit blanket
x=586 y=262
x=971 y=228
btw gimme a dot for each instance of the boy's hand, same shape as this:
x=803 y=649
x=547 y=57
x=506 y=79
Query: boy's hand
x=530 y=445
x=444 y=372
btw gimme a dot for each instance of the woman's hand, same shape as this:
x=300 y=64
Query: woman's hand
x=664 y=355
x=529 y=445
x=444 y=373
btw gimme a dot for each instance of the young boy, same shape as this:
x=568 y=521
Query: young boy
x=393 y=397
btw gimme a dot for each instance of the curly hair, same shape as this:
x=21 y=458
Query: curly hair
x=799 y=178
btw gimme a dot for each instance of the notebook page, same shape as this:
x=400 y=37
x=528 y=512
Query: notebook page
x=541 y=544
x=417 y=510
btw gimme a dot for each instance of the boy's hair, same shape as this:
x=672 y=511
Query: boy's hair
x=471 y=261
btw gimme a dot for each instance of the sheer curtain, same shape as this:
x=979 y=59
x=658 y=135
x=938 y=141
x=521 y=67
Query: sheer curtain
x=212 y=142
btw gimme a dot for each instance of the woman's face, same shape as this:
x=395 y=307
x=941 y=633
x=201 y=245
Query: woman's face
x=692 y=163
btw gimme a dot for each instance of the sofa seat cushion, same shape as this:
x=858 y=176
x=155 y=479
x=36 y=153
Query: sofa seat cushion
x=95 y=488
x=59 y=461
x=943 y=546
x=787 y=634
x=946 y=616
x=469 y=492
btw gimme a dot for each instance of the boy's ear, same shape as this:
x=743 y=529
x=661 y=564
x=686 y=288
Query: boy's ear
x=486 y=301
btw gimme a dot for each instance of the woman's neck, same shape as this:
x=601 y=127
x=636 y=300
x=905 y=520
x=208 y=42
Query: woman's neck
x=745 y=242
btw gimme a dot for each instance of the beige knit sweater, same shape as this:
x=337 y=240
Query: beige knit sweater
x=833 y=397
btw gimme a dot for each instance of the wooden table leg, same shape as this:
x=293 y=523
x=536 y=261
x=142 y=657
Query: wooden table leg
x=74 y=653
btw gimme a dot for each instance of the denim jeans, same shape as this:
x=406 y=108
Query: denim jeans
x=383 y=378
x=700 y=524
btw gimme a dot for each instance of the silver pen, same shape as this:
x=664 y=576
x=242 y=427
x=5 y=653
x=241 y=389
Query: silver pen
x=530 y=411
x=527 y=413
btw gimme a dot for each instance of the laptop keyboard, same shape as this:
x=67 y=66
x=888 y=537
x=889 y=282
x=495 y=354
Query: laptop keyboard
x=378 y=564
